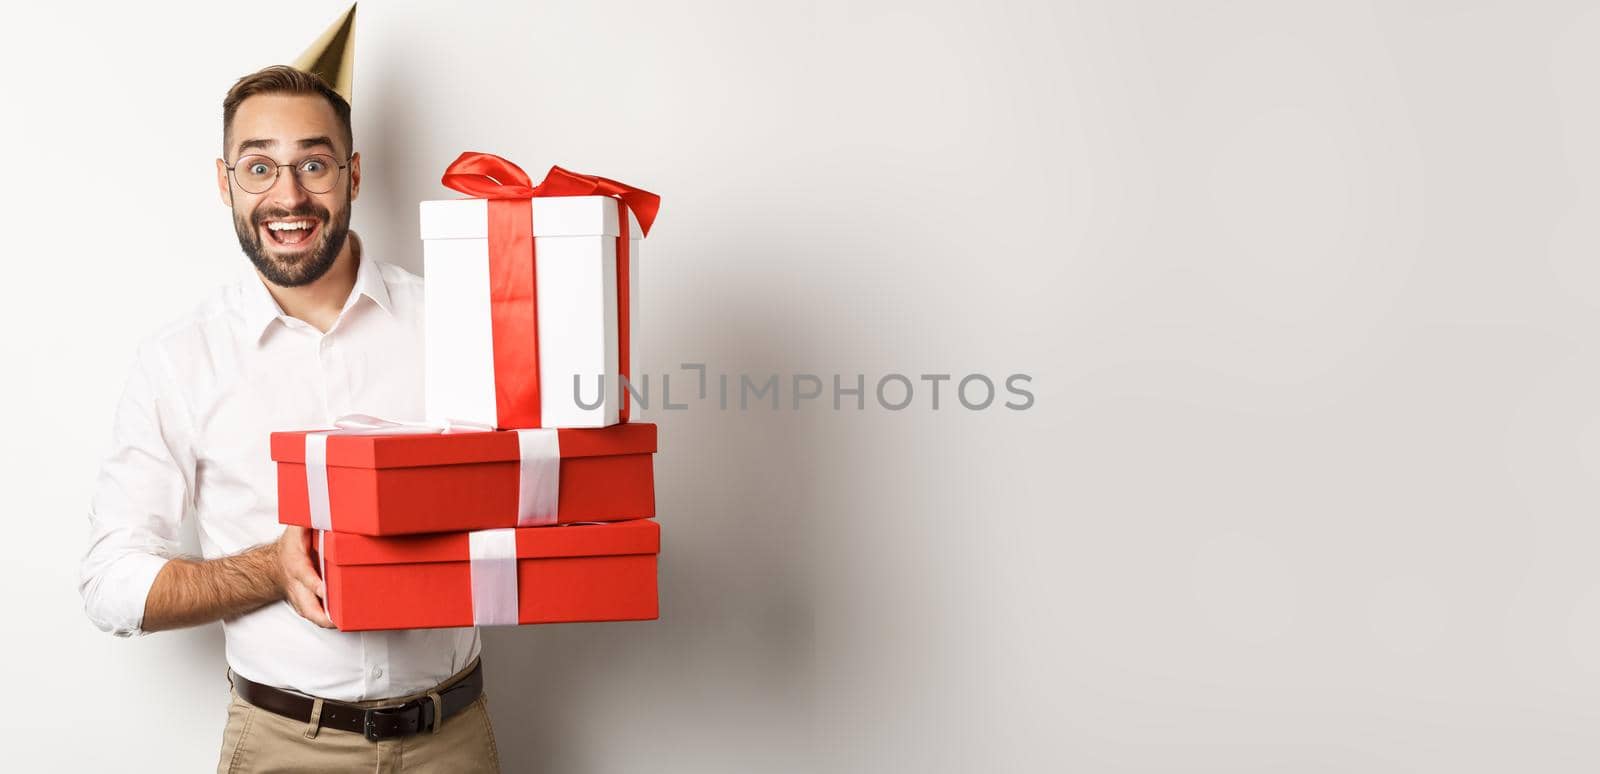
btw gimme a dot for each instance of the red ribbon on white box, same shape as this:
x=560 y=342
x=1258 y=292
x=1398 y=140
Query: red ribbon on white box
x=512 y=268
x=538 y=478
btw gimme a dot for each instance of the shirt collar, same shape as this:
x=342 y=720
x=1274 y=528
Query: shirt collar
x=261 y=309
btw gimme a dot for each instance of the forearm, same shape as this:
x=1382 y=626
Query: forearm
x=190 y=592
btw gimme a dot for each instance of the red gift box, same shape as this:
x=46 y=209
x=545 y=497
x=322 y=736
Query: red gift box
x=412 y=482
x=589 y=572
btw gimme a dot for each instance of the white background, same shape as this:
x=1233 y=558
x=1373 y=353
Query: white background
x=1308 y=292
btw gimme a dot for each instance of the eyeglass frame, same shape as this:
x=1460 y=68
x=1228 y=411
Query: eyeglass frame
x=234 y=176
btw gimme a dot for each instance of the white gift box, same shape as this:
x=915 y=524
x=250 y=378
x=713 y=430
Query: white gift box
x=575 y=244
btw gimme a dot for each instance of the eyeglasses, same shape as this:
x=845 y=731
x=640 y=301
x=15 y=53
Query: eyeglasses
x=316 y=173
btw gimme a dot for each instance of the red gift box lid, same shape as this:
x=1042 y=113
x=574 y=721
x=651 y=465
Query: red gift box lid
x=406 y=450
x=638 y=536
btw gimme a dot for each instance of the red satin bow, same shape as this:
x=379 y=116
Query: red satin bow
x=512 y=280
x=487 y=176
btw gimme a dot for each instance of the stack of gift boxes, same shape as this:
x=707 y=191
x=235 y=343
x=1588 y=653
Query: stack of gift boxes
x=525 y=495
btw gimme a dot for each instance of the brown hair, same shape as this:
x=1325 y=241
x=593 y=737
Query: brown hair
x=282 y=79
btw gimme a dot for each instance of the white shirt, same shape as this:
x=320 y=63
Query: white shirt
x=191 y=436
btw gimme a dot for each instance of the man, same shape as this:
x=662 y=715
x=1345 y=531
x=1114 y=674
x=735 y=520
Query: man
x=316 y=330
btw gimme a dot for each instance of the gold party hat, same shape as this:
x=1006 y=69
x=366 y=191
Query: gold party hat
x=333 y=56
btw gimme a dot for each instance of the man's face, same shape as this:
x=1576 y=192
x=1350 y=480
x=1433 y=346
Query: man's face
x=288 y=128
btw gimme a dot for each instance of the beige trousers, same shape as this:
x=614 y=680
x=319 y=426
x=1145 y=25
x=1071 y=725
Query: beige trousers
x=258 y=742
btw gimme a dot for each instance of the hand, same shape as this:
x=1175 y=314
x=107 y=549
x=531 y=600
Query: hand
x=301 y=586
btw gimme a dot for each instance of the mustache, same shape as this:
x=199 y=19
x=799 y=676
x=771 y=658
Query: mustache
x=263 y=217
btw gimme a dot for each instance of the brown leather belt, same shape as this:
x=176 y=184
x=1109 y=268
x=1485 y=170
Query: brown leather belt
x=372 y=722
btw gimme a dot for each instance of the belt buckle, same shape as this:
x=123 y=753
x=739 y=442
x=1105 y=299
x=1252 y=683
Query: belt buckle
x=369 y=718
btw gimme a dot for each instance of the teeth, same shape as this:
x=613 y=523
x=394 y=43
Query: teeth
x=280 y=225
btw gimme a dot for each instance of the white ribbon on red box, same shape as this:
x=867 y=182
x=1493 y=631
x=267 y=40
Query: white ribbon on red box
x=492 y=562
x=538 y=479
x=493 y=554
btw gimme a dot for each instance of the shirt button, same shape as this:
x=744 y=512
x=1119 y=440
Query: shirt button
x=377 y=672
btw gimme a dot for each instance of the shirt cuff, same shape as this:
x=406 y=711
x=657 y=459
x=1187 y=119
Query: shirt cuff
x=120 y=600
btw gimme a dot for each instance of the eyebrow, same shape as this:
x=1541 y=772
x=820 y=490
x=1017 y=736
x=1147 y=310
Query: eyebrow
x=263 y=143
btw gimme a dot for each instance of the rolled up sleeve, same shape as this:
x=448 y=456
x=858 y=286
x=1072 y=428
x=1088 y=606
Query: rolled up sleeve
x=141 y=498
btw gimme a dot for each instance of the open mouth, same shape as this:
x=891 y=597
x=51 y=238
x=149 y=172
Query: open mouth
x=292 y=232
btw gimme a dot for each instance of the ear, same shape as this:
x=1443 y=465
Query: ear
x=224 y=190
x=355 y=176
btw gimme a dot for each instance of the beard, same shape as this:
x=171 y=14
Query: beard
x=304 y=263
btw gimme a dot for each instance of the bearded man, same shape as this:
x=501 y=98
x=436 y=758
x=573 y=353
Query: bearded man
x=315 y=329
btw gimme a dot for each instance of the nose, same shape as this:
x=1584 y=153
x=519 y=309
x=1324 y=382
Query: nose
x=286 y=191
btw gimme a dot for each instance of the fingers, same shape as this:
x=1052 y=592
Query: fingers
x=297 y=560
x=307 y=604
x=302 y=586
x=306 y=576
